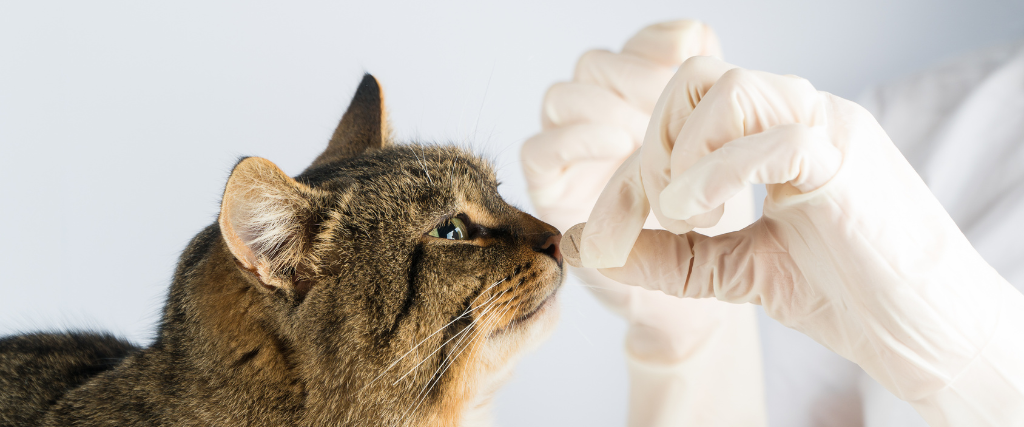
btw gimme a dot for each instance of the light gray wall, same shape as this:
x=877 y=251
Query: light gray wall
x=120 y=120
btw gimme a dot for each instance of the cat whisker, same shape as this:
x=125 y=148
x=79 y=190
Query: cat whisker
x=491 y=311
x=436 y=350
x=479 y=334
x=427 y=357
x=461 y=316
x=423 y=163
x=583 y=334
x=507 y=306
x=596 y=288
x=486 y=316
x=425 y=390
x=487 y=88
x=436 y=378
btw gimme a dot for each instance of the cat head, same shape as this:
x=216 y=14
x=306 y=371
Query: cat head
x=402 y=282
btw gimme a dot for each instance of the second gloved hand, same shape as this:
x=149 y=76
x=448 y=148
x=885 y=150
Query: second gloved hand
x=852 y=250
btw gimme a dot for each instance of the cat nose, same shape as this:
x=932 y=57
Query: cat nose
x=549 y=247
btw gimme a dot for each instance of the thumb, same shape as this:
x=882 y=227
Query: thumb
x=659 y=260
x=732 y=267
x=689 y=265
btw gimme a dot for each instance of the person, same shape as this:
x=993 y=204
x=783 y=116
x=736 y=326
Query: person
x=852 y=249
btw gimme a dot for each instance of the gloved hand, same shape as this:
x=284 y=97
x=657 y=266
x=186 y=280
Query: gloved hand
x=852 y=250
x=683 y=355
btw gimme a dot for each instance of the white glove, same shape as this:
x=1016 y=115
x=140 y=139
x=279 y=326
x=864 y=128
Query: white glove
x=852 y=250
x=682 y=354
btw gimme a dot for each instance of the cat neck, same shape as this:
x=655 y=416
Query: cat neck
x=479 y=411
x=219 y=344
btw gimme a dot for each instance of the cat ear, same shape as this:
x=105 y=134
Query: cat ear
x=363 y=127
x=264 y=219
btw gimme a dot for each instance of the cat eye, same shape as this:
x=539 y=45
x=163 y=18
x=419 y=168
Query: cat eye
x=452 y=229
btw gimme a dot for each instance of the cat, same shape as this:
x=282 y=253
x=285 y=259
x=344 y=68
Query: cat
x=386 y=285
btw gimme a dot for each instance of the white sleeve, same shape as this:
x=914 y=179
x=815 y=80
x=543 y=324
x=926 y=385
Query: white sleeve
x=961 y=125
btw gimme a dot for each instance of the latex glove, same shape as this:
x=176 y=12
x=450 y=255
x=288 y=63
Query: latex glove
x=681 y=354
x=852 y=250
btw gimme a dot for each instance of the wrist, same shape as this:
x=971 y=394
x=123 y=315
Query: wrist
x=989 y=390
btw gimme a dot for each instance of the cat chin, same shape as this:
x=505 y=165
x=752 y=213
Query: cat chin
x=507 y=346
x=526 y=333
x=541 y=324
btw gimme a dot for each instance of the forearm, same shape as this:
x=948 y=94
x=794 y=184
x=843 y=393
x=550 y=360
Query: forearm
x=988 y=391
x=711 y=378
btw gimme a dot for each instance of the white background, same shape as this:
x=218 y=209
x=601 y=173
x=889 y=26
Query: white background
x=119 y=122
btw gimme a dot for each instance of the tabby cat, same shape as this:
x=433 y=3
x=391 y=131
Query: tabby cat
x=387 y=285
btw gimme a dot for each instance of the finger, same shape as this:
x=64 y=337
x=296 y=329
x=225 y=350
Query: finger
x=744 y=266
x=618 y=216
x=739 y=213
x=659 y=260
x=795 y=154
x=739 y=103
x=574 y=103
x=734 y=214
x=546 y=155
x=562 y=201
x=636 y=80
x=693 y=265
x=742 y=103
x=686 y=89
x=671 y=43
x=572 y=239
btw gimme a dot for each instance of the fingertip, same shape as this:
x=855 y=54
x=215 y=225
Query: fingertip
x=677 y=201
x=707 y=219
x=704 y=69
x=614 y=224
x=600 y=248
x=589 y=67
x=676 y=226
x=636 y=80
x=616 y=219
x=712 y=46
x=670 y=43
x=577 y=102
x=548 y=114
